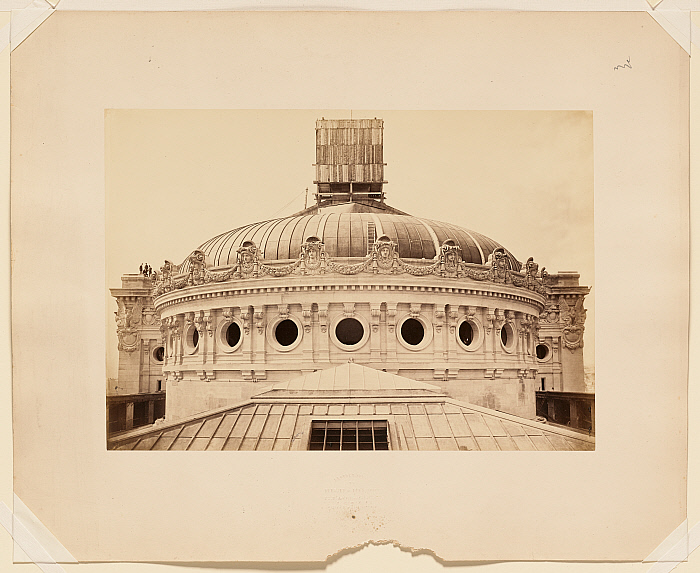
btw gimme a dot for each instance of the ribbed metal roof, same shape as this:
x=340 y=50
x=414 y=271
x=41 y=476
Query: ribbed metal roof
x=344 y=229
x=423 y=420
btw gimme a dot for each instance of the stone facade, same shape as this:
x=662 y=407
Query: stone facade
x=479 y=326
x=138 y=332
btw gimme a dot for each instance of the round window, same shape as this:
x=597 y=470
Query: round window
x=412 y=331
x=233 y=334
x=508 y=337
x=191 y=339
x=286 y=332
x=542 y=351
x=349 y=331
x=159 y=354
x=466 y=333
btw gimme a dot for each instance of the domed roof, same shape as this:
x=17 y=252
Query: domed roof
x=348 y=230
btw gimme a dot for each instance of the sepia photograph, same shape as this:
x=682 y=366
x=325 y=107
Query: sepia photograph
x=243 y=241
x=353 y=302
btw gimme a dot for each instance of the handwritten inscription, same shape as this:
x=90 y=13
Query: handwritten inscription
x=625 y=65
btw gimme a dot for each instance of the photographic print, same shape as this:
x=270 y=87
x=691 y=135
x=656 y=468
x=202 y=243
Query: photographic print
x=298 y=291
x=344 y=319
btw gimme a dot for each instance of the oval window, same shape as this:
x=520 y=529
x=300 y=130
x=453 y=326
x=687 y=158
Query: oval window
x=286 y=332
x=504 y=336
x=159 y=354
x=349 y=331
x=466 y=333
x=233 y=334
x=195 y=337
x=412 y=331
x=542 y=351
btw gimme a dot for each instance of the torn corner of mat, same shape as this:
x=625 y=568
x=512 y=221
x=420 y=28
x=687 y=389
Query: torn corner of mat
x=383 y=542
x=33 y=542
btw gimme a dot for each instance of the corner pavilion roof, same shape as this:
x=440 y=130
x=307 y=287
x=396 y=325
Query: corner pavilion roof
x=419 y=415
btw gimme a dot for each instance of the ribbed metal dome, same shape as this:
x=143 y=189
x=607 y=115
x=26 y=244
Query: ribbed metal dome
x=349 y=233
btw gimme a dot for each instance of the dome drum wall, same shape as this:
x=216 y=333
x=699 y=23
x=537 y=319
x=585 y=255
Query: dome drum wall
x=470 y=323
x=375 y=321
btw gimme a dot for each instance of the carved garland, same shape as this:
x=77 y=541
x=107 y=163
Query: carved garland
x=384 y=259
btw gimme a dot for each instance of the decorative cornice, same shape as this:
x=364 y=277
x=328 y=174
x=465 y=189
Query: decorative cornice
x=312 y=260
x=188 y=295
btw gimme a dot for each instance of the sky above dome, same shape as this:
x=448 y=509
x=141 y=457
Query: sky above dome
x=175 y=178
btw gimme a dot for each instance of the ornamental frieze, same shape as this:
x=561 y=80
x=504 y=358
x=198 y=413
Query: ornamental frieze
x=383 y=259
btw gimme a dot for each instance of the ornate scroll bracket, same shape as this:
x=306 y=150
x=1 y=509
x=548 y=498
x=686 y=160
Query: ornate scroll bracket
x=391 y=317
x=245 y=317
x=453 y=316
x=206 y=376
x=323 y=318
x=259 y=316
x=439 y=319
x=306 y=315
x=349 y=309
x=375 y=313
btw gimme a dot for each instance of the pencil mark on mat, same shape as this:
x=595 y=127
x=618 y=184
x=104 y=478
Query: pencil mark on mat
x=626 y=65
